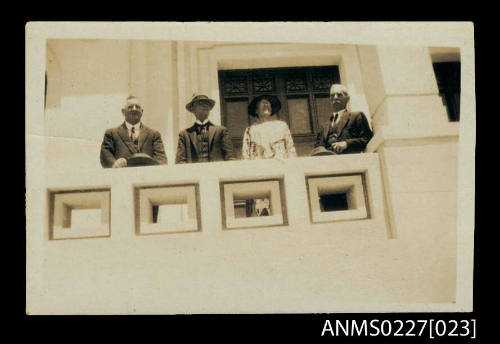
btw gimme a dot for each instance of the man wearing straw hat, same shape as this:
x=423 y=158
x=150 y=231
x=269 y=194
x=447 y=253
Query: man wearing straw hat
x=203 y=141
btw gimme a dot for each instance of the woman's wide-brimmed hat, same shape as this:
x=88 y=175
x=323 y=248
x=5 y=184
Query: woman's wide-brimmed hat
x=275 y=104
x=196 y=98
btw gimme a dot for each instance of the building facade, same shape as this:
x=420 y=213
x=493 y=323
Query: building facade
x=394 y=243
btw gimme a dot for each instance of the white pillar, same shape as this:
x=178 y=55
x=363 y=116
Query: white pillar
x=138 y=70
x=209 y=80
x=402 y=92
x=416 y=142
x=352 y=78
x=163 y=105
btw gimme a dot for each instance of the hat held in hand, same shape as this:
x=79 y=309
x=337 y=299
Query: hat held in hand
x=320 y=150
x=141 y=159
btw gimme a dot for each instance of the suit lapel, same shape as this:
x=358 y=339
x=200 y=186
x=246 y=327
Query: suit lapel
x=342 y=123
x=193 y=138
x=211 y=133
x=123 y=132
x=143 y=134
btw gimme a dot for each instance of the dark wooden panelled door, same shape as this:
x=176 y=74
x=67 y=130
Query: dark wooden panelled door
x=303 y=92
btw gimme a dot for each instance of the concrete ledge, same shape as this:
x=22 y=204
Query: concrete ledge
x=388 y=135
x=293 y=172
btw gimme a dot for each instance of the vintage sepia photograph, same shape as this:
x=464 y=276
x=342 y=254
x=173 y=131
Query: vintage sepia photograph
x=194 y=168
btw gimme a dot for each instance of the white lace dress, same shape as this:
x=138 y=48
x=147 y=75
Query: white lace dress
x=268 y=140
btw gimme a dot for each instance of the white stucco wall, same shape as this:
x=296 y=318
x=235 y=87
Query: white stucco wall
x=92 y=84
x=300 y=267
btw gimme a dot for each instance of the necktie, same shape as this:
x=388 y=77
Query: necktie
x=335 y=116
x=335 y=122
x=132 y=134
x=202 y=128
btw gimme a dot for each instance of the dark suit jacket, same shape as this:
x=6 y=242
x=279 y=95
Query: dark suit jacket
x=353 y=128
x=117 y=144
x=219 y=145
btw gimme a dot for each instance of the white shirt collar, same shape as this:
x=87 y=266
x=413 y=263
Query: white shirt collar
x=197 y=121
x=340 y=114
x=137 y=126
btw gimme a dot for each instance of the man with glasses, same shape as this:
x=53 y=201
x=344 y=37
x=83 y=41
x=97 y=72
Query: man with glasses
x=132 y=143
x=347 y=132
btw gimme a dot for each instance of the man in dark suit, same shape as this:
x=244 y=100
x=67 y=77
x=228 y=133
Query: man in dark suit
x=203 y=141
x=132 y=137
x=347 y=132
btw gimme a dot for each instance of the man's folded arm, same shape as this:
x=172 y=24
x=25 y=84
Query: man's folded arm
x=365 y=134
x=107 y=150
x=158 y=149
x=319 y=138
x=180 y=156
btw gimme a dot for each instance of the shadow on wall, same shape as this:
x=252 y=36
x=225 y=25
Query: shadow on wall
x=87 y=81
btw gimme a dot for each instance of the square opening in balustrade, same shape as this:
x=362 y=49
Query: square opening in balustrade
x=335 y=198
x=79 y=214
x=246 y=205
x=168 y=209
x=253 y=204
x=333 y=201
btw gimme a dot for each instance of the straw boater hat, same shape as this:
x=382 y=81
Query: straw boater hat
x=275 y=104
x=199 y=97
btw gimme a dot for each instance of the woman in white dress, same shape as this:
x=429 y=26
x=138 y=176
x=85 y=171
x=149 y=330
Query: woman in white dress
x=268 y=137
